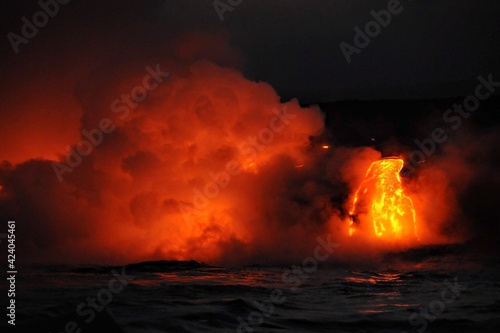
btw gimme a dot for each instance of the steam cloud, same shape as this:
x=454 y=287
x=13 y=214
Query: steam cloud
x=121 y=201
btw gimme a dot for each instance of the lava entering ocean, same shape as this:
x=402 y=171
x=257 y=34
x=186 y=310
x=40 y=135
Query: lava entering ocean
x=209 y=166
x=382 y=199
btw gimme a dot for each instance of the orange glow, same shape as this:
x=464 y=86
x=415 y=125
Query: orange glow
x=381 y=198
x=209 y=166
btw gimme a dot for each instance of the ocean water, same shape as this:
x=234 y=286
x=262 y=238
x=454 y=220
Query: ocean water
x=168 y=296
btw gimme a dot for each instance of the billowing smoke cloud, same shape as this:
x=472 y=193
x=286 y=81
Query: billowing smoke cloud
x=147 y=177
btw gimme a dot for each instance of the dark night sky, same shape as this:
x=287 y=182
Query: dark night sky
x=431 y=49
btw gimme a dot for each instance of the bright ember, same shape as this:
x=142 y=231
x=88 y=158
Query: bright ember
x=380 y=199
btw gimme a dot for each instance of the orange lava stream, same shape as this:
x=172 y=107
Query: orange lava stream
x=381 y=198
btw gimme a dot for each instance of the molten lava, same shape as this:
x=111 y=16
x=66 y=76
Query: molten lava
x=380 y=199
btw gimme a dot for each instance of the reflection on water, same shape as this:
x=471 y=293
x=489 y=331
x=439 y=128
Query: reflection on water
x=244 y=277
x=220 y=295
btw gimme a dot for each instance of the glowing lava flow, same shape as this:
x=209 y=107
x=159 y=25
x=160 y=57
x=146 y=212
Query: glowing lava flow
x=381 y=199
